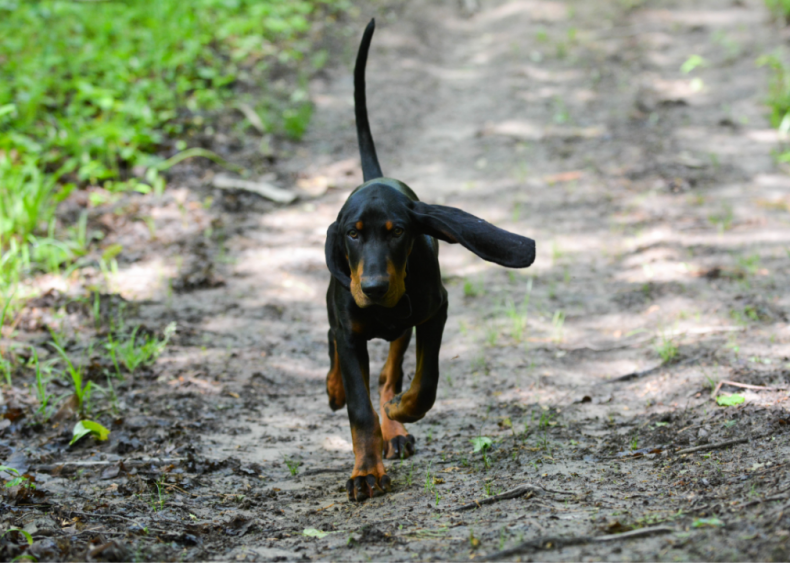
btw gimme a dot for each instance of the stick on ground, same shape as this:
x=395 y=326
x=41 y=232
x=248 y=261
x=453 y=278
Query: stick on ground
x=558 y=541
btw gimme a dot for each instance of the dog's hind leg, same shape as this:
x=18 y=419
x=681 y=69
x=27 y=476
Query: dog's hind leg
x=334 y=380
x=398 y=443
x=412 y=405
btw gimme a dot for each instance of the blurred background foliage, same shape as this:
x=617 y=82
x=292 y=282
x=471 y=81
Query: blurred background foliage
x=91 y=90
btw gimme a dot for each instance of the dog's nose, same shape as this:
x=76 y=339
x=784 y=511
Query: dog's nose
x=375 y=288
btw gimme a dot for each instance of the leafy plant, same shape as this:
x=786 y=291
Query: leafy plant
x=293 y=465
x=135 y=352
x=481 y=443
x=780 y=8
x=546 y=419
x=41 y=384
x=557 y=323
x=90 y=91
x=473 y=289
x=5 y=364
x=25 y=534
x=82 y=393
x=18 y=480
x=85 y=427
x=667 y=349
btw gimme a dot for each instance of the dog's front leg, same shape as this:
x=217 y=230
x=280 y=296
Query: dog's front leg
x=412 y=405
x=368 y=473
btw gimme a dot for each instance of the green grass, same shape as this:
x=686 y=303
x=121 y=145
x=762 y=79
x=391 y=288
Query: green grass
x=778 y=91
x=780 y=8
x=667 y=349
x=92 y=91
x=135 y=351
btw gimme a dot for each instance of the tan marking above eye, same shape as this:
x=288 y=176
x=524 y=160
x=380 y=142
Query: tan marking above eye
x=388 y=225
x=359 y=225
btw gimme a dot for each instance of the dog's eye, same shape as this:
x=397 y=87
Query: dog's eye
x=397 y=231
x=353 y=233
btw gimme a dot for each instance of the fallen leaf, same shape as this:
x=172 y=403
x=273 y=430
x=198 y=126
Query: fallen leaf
x=314 y=533
x=730 y=400
x=707 y=523
x=85 y=427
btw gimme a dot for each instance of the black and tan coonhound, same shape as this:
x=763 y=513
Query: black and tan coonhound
x=382 y=252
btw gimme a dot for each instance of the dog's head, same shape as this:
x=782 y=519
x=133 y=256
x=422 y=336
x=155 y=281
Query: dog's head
x=368 y=246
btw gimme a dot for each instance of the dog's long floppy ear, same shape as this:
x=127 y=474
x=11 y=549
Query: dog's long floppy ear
x=481 y=237
x=335 y=258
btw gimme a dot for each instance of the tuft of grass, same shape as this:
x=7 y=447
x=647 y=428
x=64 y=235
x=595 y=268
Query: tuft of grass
x=41 y=384
x=779 y=8
x=558 y=324
x=82 y=392
x=293 y=465
x=5 y=363
x=778 y=99
x=473 y=289
x=667 y=349
x=135 y=352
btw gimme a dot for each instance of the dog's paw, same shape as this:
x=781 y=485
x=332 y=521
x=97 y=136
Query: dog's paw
x=335 y=391
x=400 y=447
x=336 y=404
x=363 y=487
x=401 y=409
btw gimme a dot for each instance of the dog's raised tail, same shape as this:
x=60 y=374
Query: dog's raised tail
x=367 y=150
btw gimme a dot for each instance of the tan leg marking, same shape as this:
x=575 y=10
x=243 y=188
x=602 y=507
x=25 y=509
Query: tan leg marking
x=391 y=373
x=334 y=384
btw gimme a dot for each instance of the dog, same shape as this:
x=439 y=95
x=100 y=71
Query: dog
x=382 y=252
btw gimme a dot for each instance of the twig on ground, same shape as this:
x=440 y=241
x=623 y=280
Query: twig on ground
x=743 y=386
x=649 y=371
x=176 y=487
x=719 y=445
x=116 y=516
x=558 y=541
x=71 y=466
x=319 y=470
x=252 y=116
x=760 y=501
x=263 y=189
x=519 y=491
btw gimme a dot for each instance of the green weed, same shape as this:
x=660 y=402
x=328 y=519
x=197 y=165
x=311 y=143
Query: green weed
x=723 y=220
x=16 y=479
x=293 y=466
x=429 y=485
x=667 y=349
x=780 y=8
x=558 y=323
x=473 y=289
x=135 y=352
x=5 y=364
x=82 y=393
x=41 y=385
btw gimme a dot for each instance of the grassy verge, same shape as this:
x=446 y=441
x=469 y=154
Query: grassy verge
x=94 y=93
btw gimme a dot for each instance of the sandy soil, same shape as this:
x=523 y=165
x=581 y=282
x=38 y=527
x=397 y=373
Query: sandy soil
x=663 y=224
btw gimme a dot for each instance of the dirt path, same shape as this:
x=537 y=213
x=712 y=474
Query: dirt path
x=662 y=226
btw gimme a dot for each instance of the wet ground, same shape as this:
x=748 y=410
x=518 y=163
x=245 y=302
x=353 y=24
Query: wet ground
x=663 y=229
